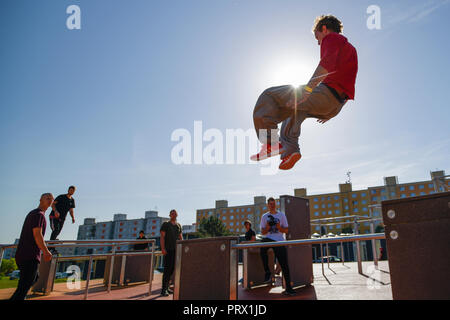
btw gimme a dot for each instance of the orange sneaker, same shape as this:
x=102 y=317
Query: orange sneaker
x=267 y=151
x=289 y=161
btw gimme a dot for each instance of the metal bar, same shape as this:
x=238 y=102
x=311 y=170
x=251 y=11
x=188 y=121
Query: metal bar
x=361 y=237
x=88 y=278
x=1 y=255
x=344 y=223
x=358 y=251
x=111 y=268
x=374 y=249
x=122 y=271
x=150 y=279
x=342 y=253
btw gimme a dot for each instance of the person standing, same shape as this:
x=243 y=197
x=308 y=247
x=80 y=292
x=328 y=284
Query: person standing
x=63 y=204
x=141 y=246
x=273 y=227
x=31 y=243
x=170 y=232
x=250 y=235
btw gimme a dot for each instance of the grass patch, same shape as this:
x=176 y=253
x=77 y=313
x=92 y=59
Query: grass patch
x=5 y=283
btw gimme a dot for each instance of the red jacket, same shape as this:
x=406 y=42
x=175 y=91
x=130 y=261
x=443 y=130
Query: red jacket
x=340 y=59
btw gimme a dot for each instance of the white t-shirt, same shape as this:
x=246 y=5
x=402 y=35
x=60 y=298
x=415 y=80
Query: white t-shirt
x=274 y=233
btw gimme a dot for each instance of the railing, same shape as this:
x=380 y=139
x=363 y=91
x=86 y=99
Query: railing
x=97 y=243
x=356 y=238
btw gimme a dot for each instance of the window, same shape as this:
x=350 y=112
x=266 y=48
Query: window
x=374 y=198
x=323 y=206
x=231 y=210
x=364 y=209
x=223 y=218
x=316 y=213
x=249 y=216
x=430 y=185
x=231 y=217
x=316 y=199
x=336 y=205
x=411 y=187
x=329 y=205
x=354 y=195
x=363 y=201
x=363 y=194
x=346 y=208
x=224 y=211
x=265 y=208
x=373 y=191
x=345 y=200
x=323 y=199
x=317 y=228
x=421 y=186
x=393 y=194
x=422 y=193
x=231 y=223
x=383 y=198
x=355 y=202
x=316 y=206
x=403 y=195
x=248 y=209
x=324 y=213
x=328 y=198
x=413 y=194
x=355 y=209
x=231 y=229
x=402 y=188
x=338 y=226
x=337 y=211
x=336 y=197
x=330 y=213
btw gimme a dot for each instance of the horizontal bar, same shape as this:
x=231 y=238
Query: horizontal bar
x=84 y=243
x=351 y=222
x=373 y=236
x=105 y=255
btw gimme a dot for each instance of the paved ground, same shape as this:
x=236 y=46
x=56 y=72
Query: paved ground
x=341 y=282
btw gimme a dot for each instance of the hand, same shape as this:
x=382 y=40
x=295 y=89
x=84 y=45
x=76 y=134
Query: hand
x=56 y=214
x=278 y=226
x=47 y=256
x=322 y=120
x=73 y=220
x=164 y=252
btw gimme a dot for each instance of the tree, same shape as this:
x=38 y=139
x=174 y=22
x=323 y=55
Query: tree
x=212 y=227
x=8 y=266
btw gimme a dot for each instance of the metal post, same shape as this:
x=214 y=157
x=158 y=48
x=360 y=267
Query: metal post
x=151 y=270
x=111 y=267
x=374 y=249
x=328 y=250
x=1 y=255
x=88 y=278
x=122 y=270
x=342 y=253
x=321 y=248
x=358 y=250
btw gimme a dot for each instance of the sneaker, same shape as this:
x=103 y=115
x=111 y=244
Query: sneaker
x=289 y=161
x=289 y=292
x=267 y=151
x=268 y=278
x=170 y=291
x=165 y=293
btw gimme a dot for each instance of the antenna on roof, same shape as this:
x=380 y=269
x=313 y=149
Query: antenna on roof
x=349 y=177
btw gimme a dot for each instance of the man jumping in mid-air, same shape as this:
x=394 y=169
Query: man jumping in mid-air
x=332 y=84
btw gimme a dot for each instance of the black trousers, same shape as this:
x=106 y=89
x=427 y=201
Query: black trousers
x=169 y=266
x=56 y=225
x=281 y=256
x=29 y=274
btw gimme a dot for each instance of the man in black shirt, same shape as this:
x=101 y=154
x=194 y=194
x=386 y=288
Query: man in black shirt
x=63 y=203
x=250 y=235
x=141 y=246
x=170 y=233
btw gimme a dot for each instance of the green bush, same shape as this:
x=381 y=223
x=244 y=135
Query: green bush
x=8 y=266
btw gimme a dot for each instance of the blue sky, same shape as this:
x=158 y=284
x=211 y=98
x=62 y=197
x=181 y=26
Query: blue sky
x=96 y=107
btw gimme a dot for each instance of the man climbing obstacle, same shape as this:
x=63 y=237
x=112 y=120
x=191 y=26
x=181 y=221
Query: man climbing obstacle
x=332 y=84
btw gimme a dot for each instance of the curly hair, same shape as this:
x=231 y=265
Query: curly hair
x=331 y=22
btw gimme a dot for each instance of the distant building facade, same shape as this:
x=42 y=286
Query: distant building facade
x=119 y=229
x=345 y=203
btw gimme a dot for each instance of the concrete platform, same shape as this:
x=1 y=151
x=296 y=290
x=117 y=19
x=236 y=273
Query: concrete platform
x=341 y=282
